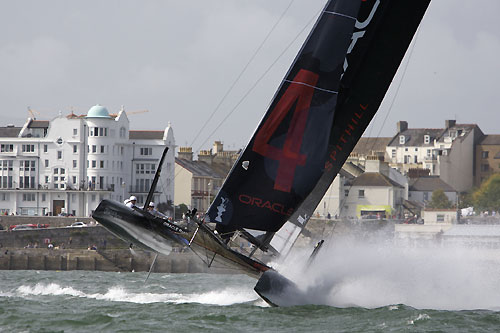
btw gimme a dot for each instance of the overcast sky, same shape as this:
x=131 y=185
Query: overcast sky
x=178 y=59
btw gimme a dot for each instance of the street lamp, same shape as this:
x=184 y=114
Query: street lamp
x=123 y=190
x=208 y=203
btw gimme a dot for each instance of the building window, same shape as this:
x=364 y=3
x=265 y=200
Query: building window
x=440 y=217
x=28 y=148
x=5 y=148
x=426 y=196
x=46 y=179
x=46 y=163
x=101 y=164
x=74 y=180
x=44 y=196
x=427 y=139
x=74 y=163
x=75 y=131
x=28 y=196
x=94 y=148
x=45 y=148
x=484 y=154
x=56 y=171
x=93 y=164
x=102 y=149
x=75 y=148
x=63 y=171
x=123 y=132
x=146 y=151
x=402 y=139
x=346 y=193
x=59 y=154
x=428 y=153
x=485 y=167
x=361 y=193
x=416 y=149
x=5 y=181
x=415 y=159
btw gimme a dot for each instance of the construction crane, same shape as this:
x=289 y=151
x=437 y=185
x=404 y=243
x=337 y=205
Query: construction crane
x=128 y=113
x=137 y=112
x=32 y=113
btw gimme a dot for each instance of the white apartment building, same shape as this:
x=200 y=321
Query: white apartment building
x=69 y=164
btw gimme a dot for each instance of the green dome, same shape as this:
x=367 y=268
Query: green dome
x=98 y=111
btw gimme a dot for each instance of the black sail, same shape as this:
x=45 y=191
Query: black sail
x=324 y=104
x=383 y=32
x=285 y=157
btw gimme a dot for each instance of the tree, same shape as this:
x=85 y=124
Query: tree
x=439 y=200
x=166 y=207
x=487 y=197
x=179 y=210
x=466 y=200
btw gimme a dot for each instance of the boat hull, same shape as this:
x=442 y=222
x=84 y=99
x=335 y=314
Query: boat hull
x=277 y=290
x=137 y=228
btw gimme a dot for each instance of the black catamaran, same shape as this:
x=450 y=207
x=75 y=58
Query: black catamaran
x=327 y=99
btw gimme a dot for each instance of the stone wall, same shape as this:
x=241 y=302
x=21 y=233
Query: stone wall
x=103 y=260
x=72 y=238
x=53 y=221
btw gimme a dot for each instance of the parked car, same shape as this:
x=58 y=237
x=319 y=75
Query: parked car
x=77 y=225
x=27 y=226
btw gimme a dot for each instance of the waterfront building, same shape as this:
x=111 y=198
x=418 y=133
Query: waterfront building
x=446 y=152
x=421 y=189
x=69 y=164
x=198 y=181
x=487 y=158
x=369 y=146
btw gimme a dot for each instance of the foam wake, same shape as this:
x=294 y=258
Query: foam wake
x=222 y=297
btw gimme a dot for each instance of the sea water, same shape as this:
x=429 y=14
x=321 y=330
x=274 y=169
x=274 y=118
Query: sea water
x=85 y=301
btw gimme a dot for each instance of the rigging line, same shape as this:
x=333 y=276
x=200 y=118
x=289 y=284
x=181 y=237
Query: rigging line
x=260 y=79
x=243 y=70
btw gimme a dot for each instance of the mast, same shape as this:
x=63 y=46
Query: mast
x=155 y=180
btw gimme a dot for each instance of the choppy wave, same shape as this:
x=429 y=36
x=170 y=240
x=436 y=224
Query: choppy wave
x=222 y=297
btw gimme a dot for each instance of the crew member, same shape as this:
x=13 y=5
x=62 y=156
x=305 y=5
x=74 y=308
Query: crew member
x=131 y=201
x=152 y=210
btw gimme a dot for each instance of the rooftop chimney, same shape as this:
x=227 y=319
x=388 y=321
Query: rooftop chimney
x=218 y=147
x=402 y=126
x=205 y=156
x=449 y=123
x=185 y=153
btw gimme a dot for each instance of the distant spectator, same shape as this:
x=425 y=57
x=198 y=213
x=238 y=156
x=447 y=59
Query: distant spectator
x=50 y=246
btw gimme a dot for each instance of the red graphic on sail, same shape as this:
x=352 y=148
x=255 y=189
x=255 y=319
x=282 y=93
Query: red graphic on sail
x=299 y=93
